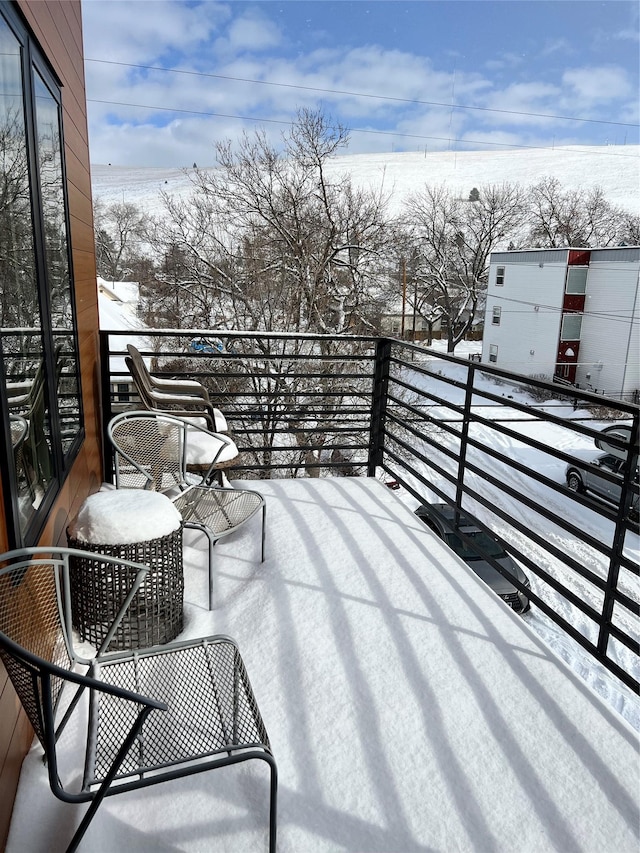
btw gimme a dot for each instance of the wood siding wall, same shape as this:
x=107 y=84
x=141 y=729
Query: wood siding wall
x=57 y=26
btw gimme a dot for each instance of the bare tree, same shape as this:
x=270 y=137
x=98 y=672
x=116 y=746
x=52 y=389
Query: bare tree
x=630 y=235
x=308 y=241
x=577 y=217
x=119 y=232
x=452 y=241
x=268 y=243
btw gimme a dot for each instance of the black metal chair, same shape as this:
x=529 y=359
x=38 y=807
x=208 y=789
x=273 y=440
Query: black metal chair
x=153 y=715
x=157 y=451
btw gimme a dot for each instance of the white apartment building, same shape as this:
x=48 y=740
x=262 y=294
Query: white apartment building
x=571 y=314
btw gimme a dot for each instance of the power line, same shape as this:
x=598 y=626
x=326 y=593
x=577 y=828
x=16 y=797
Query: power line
x=395 y=99
x=391 y=133
x=600 y=315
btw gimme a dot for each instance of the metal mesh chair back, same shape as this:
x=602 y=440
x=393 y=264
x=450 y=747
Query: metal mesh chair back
x=31 y=618
x=149 y=451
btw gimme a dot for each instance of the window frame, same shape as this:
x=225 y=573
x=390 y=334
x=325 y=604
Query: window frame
x=570 y=288
x=570 y=319
x=496 y=315
x=493 y=353
x=33 y=64
x=500 y=276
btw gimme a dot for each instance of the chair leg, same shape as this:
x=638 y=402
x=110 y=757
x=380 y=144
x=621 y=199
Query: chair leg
x=264 y=525
x=273 y=803
x=212 y=542
x=106 y=783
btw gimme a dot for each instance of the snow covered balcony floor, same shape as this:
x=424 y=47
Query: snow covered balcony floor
x=408 y=708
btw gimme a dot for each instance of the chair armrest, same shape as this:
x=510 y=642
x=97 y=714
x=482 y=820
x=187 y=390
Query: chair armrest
x=201 y=443
x=187 y=406
x=185 y=387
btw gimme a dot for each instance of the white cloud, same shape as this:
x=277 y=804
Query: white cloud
x=630 y=34
x=555 y=46
x=503 y=61
x=253 y=31
x=220 y=41
x=521 y=99
x=606 y=83
x=112 y=32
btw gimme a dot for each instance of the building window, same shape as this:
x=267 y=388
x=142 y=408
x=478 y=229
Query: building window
x=576 y=280
x=121 y=392
x=571 y=327
x=493 y=352
x=499 y=276
x=40 y=388
x=495 y=319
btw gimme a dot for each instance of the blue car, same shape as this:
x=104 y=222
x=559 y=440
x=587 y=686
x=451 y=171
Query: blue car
x=205 y=345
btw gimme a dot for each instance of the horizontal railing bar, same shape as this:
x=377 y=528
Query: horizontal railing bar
x=586 y=397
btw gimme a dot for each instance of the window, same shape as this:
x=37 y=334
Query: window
x=576 y=280
x=493 y=352
x=571 y=327
x=497 y=311
x=40 y=388
x=122 y=392
x=499 y=276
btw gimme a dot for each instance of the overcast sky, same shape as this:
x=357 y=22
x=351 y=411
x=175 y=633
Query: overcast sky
x=434 y=74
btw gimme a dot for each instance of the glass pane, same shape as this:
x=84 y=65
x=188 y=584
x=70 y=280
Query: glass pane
x=57 y=261
x=571 y=326
x=20 y=321
x=577 y=280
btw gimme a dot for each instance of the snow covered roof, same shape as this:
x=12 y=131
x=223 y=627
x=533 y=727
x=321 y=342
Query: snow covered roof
x=117 y=309
x=118 y=305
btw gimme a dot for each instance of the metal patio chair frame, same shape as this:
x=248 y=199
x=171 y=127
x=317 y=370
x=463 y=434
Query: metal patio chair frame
x=183 y=398
x=136 y=699
x=151 y=451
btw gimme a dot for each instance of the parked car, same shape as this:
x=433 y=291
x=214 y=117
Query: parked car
x=205 y=345
x=436 y=516
x=587 y=478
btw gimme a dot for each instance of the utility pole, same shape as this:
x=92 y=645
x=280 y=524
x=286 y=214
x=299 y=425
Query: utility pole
x=415 y=303
x=404 y=296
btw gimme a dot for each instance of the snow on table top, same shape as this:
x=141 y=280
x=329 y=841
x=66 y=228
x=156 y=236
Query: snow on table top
x=408 y=708
x=125 y=516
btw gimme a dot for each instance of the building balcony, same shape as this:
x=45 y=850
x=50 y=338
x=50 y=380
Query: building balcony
x=409 y=708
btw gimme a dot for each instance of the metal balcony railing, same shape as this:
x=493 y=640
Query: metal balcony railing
x=490 y=442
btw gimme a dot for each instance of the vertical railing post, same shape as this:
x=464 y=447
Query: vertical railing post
x=379 y=405
x=107 y=414
x=464 y=433
x=624 y=508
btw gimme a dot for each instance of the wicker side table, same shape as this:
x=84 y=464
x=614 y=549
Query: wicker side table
x=120 y=523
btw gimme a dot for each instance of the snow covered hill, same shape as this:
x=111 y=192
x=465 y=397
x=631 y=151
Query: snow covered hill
x=615 y=168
